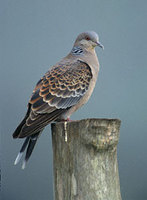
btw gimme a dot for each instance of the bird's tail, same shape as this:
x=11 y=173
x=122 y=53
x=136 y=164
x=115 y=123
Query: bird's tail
x=28 y=145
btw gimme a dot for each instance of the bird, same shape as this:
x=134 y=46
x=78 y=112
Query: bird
x=63 y=89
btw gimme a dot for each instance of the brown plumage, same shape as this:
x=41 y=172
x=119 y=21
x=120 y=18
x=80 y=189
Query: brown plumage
x=61 y=91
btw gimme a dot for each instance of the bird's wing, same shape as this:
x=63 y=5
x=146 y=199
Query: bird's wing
x=58 y=90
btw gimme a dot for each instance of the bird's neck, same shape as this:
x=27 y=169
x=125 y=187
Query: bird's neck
x=92 y=59
x=81 y=50
x=77 y=50
x=88 y=55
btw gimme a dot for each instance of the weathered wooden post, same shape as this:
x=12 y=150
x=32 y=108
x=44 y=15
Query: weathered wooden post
x=85 y=159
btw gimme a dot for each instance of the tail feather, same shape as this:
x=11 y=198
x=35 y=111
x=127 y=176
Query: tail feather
x=29 y=150
x=18 y=158
x=24 y=145
x=28 y=145
x=20 y=154
x=19 y=128
x=31 y=146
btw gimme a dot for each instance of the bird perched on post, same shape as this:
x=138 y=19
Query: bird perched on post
x=61 y=91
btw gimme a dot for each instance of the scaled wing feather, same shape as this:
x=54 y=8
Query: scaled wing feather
x=57 y=91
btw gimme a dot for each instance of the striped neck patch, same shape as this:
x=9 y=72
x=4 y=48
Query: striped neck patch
x=77 y=50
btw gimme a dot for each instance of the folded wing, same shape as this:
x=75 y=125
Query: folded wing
x=57 y=91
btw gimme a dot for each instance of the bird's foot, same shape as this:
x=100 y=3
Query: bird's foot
x=66 y=120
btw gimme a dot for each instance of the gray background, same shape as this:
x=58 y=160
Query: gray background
x=34 y=36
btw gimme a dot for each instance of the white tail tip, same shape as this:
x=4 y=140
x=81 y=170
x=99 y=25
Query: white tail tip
x=24 y=164
x=18 y=158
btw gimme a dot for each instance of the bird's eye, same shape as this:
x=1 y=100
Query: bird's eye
x=87 y=38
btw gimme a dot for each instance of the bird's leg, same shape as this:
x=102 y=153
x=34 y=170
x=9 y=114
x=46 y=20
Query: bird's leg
x=65 y=130
x=65 y=126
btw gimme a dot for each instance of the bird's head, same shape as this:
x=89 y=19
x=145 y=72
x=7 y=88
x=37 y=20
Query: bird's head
x=88 y=39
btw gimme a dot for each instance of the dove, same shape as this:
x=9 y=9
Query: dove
x=60 y=92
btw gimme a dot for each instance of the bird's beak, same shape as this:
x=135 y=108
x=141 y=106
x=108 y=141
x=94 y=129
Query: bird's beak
x=100 y=45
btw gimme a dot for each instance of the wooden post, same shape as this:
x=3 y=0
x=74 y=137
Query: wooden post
x=85 y=159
